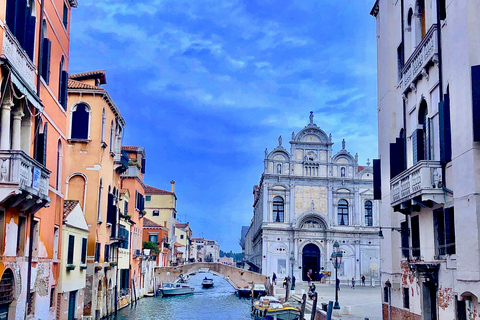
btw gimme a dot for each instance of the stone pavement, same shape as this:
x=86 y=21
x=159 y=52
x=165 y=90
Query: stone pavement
x=364 y=302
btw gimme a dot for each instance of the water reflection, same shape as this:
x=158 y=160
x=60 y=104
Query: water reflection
x=219 y=302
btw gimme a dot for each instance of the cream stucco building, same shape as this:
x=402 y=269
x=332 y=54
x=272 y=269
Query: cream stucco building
x=429 y=135
x=307 y=199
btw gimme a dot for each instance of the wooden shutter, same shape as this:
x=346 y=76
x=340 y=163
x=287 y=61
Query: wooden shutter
x=415 y=237
x=442 y=9
x=377 y=179
x=71 y=246
x=30 y=34
x=401 y=160
x=445 y=130
x=46 y=51
x=404 y=237
x=44 y=154
x=21 y=22
x=84 y=251
x=11 y=15
x=476 y=102
x=417 y=144
x=144 y=163
x=393 y=160
x=450 y=230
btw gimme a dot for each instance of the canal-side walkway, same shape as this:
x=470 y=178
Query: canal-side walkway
x=363 y=302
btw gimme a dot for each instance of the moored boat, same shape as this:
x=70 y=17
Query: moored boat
x=183 y=278
x=207 y=283
x=244 y=291
x=270 y=308
x=258 y=290
x=175 y=289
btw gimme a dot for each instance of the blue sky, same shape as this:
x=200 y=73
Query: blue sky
x=206 y=86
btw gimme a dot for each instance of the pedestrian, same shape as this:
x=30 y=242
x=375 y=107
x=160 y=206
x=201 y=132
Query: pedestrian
x=363 y=280
x=338 y=284
x=353 y=283
x=293 y=281
x=274 y=279
x=309 y=279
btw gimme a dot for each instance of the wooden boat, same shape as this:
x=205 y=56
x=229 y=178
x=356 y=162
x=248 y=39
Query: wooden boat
x=207 y=283
x=175 y=289
x=183 y=278
x=270 y=308
x=245 y=291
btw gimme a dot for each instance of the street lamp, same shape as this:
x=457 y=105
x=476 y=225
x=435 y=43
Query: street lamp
x=336 y=260
x=292 y=259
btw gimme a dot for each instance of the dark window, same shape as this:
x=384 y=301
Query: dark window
x=476 y=102
x=406 y=298
x=112 y=135
x=342 y=212
x=445 y=129
x=386 y=294
x=461 y=309
x=71 y=246
x=52 y=297
x=139 y=201
x=377 y=179
x=400 y=60
x=442 y=9
x=41 y=141
x=20 y=18
x=153 y=238
x=84 y=251
x=46 y=52
x=106 y=257
x=65 y=15
x=368 y=213
x=31 y=304
x=415 y=237
x=80 y=118
x=421 y=136
x=181 y=236
x=444 y=227
x=278 y=209
x=63 y=85
x=148 y=198
x=144 y=165
x=125 y=208
x=123 y=233
x=404 y=235
x=156 y=213
x=97 y=252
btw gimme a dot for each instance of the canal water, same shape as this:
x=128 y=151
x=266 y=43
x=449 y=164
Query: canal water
x=219 y=302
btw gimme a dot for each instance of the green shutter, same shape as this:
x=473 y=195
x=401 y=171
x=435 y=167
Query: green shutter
x=71 y=246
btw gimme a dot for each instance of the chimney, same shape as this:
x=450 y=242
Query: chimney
x=172 y=184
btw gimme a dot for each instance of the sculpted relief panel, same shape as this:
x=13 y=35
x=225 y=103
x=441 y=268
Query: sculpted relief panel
x=304 y=196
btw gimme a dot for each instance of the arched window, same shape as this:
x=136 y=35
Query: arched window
x=80 y=121
x=7 y=283
x=342 y=212
x=59 y=166
x=46 y=51
x=368 y=213
x=62 y=84
x=421 y=136
x=112 y=136
x=104 y=120
x=278 y=209
x=99 y=205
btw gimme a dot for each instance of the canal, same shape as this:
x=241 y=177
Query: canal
x=219 y=302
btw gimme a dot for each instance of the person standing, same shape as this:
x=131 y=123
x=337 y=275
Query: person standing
x=363 y=280
x=353 y=283
x=274 y=279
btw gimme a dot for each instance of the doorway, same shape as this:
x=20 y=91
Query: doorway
x=310 y=261
x=72 y=305
x=429 y=301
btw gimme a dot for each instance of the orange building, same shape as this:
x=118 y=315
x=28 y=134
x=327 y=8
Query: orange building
x=34 y=42
x=158 y=235
x=93 y=167
x=132 y=180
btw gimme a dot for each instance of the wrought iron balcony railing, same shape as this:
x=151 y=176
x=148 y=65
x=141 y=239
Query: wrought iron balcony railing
x=423 y=180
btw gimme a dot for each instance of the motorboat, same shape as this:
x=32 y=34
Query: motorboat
x=259 y=290
x=207 y=283
x=244 y=291
x=203 y=270
x=175 y=289
x=270 y=308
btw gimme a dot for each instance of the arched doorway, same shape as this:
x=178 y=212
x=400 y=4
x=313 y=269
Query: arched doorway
x=7 y=286
x=311 y=260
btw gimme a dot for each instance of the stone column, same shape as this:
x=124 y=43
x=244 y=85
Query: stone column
x=5 y=133
x=16 y=136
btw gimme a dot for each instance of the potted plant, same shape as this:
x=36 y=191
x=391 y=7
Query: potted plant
x=70 y=267
x=113 y=264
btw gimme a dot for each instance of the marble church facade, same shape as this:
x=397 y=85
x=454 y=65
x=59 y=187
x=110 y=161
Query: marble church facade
x=307 y=199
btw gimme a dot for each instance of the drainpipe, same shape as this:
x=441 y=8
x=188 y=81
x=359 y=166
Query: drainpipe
x=29 y=266
x=40 y=47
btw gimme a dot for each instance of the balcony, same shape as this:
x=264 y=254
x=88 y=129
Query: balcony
x=13 y=51
x=424 y=54
x=121 y=161
x=23 y=181
x=418 y=185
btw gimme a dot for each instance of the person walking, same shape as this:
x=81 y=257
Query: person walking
x=274 y=279
x=363 y=280
x=353 y=283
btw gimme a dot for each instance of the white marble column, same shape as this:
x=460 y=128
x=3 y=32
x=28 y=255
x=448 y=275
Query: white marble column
x=5 y=133
x=16 y=130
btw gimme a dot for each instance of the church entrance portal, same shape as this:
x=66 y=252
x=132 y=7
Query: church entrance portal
x=311 y=261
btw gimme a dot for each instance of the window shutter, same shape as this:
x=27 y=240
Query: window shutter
x=44 y=154
x=63 y=89
x=30 y=34
x=11 y=14
x=445 y=130
x=415 y=237
x=401 y=160
x=450 y=230
x=39 y=147
x=428 y=154
x=476 y=102
x=71 y=246
x=47 y=47
x=442 y=9
x=144 y=163
x=404 y=235
x=377 y=179
x=418 y=148
x=65 y=15
x=84 y=250
x=21 y=22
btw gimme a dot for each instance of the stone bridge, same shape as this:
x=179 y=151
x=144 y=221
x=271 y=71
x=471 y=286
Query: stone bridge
x=235 y=276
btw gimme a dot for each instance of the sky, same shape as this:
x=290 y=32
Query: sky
x=205 y=86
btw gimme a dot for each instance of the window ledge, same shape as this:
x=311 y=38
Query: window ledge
x=78 y=140
x=103 y=144
x=99 y=221
x=109 y=224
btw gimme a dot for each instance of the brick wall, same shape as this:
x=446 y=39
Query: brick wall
x=398 y=313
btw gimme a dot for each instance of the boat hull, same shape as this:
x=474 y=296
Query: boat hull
x=207 y=283
x=176 y=292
